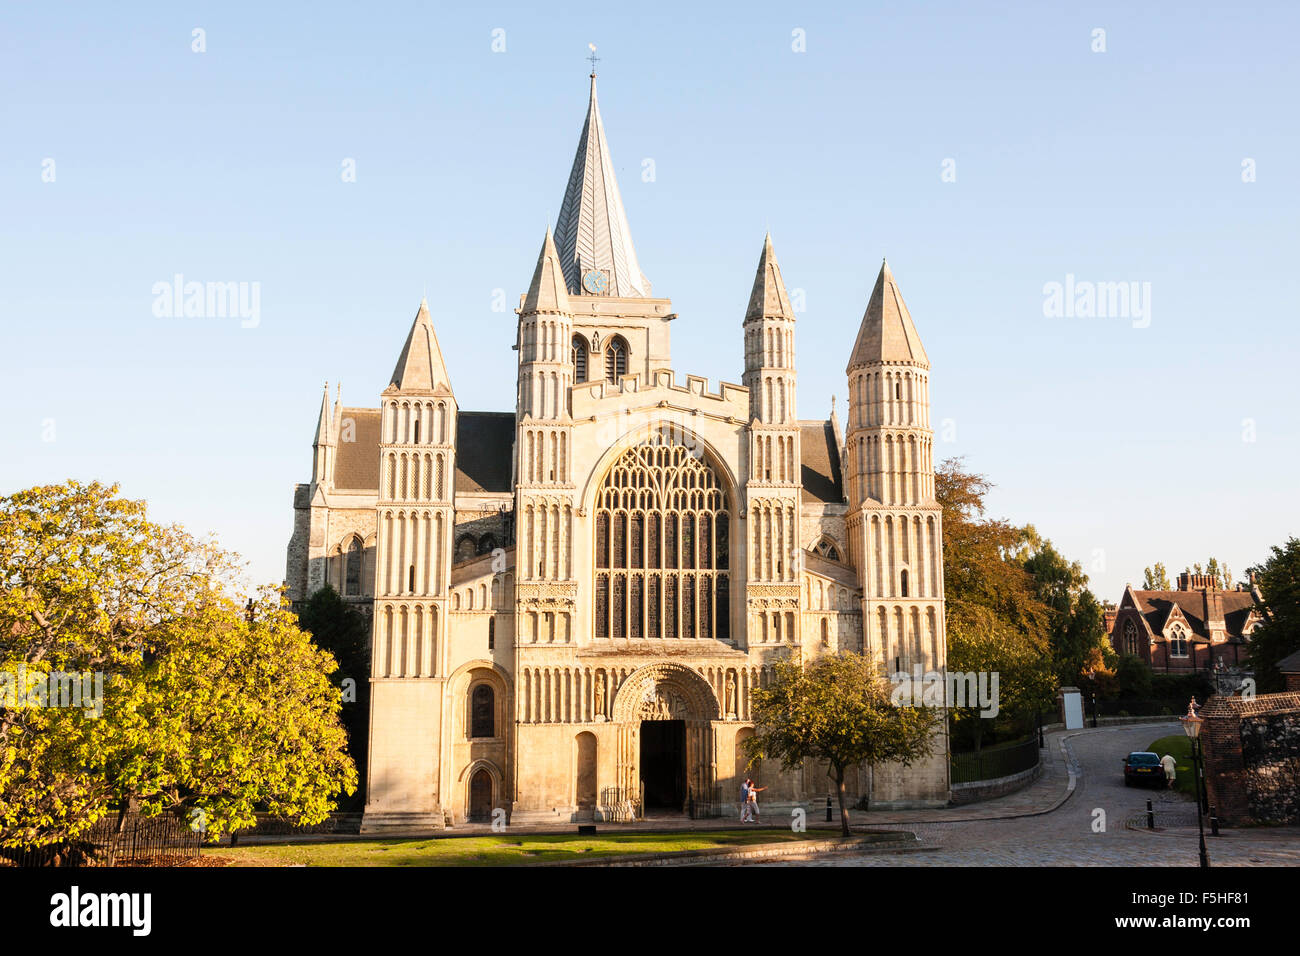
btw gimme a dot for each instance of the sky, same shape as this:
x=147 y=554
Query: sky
x=344 y=159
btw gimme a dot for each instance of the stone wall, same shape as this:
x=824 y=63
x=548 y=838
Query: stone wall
x=1252 y=757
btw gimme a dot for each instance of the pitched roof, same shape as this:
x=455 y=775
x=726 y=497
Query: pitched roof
x=484 y=444
x=887 y=333
x=768 y=298
x=592 y=231
x=420 y=367
x=1158 y=606
x=1290 y=664
x=820 y=468
x=357 y=465
x=546 y=293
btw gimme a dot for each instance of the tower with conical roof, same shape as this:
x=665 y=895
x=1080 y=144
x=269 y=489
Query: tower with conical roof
x=774 y=481
x=895 y=530
x=544 y=487
x=894 y=525
x=415 y=516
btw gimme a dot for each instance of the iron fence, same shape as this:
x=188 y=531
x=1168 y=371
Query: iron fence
x=1001 y=760
x=619 y=805
x=1141 y=707
x=162 y=840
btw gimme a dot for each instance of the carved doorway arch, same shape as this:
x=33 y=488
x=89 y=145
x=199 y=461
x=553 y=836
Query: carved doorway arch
x=667 y=691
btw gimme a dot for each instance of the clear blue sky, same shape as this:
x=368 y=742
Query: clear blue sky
x=1119 y=443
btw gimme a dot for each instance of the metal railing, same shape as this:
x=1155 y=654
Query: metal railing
x=1001 y=760
x=619 y=805
x=166 y=838
x=1141 y=707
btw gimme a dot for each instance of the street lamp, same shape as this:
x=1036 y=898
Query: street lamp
x=1192 y=728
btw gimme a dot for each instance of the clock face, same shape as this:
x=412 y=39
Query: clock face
x=595 y=281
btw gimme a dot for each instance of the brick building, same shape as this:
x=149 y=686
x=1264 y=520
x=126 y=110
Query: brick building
x=1189 y=629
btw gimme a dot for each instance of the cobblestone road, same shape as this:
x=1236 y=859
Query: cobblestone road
x=1066 y=836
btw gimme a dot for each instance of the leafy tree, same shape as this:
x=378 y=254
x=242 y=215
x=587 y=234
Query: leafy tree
x=208 y=707
x=980 y=640
x=1278 y=603
x=1219 y=571
x=1134 y=677
x=1156 y=578
x=838 y=710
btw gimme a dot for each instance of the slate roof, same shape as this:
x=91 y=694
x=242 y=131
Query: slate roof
x=820 y=474
x=592 y=231
x=484 y=442
x=1157 y=606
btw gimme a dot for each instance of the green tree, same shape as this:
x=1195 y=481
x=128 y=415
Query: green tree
x=1156 y=578
x=209 y=708
x=1220 y=572
x=837 y=710
x=980 y=640
x=1278 y=602
x=1134 y=677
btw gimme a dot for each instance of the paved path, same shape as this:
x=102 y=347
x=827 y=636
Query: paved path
x=1066 y=836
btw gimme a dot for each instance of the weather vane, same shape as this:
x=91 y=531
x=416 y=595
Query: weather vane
x=593 y=58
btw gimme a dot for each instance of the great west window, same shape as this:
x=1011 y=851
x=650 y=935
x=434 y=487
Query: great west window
x=662 y=525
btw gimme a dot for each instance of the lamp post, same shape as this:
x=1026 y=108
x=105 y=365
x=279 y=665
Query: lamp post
x=1192 y=728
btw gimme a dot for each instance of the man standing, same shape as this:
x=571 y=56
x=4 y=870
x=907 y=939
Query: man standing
x=744 y=799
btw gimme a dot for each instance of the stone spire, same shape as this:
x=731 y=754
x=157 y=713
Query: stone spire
x=592 y=232
x=547 y=293
x=768 y=300
x=324 y=433
x=769 y=346
x=887 y=333
x=420 y=366
x=323 y=446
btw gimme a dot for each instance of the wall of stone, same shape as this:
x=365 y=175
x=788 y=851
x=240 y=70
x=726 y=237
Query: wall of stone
x=1252 y=757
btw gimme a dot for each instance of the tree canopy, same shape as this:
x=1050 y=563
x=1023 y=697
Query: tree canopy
x=836 y=709
x=1278 y=603
x=209 y=707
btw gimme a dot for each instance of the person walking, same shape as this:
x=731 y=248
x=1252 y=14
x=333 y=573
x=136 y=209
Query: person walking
x=752 y=803
x=744 y=800
x=1170 y=765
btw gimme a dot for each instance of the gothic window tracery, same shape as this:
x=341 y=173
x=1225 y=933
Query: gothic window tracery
x=616 y=360
x=661 y=548
x=579 y=356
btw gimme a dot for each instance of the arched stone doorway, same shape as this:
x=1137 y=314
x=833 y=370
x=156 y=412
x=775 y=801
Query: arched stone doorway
x=480 y=796
x=664 y=713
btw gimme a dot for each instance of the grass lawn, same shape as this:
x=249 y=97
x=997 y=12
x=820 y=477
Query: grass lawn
x=1179 y=747
x=503 y=850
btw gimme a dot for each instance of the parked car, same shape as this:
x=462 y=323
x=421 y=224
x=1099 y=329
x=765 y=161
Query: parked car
x=1142 y=766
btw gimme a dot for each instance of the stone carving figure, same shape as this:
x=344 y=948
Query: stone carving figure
x=731 y=694
x=600 y=694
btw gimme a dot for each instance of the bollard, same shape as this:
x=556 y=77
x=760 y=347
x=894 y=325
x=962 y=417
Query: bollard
x=828 y=808
x=1151 y=817
x=1214 y=822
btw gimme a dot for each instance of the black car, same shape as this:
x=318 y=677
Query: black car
x=1142 y=766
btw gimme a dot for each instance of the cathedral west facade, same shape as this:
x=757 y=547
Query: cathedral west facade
x=573 y=601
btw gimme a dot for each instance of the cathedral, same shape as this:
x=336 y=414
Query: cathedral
x=572 y=601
